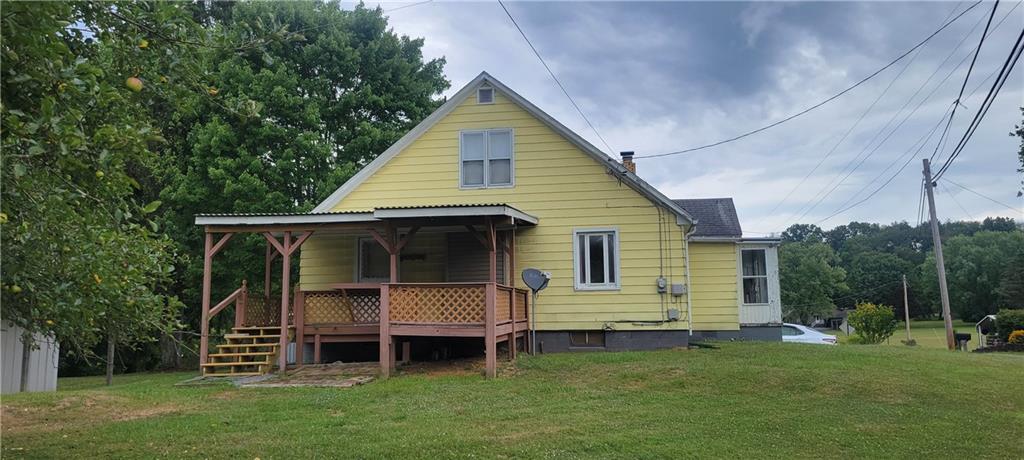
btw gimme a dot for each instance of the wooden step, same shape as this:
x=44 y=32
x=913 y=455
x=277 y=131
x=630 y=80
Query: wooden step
x=237 y=364
x=231 y=374
x=249 y=353
x=259 y=328
x=249 y=345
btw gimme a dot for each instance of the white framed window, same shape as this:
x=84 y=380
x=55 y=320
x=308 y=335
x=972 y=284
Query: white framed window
x=596 y=259
x=485 y=95
x=374 y=262
x=486 y=158
x=755 y=276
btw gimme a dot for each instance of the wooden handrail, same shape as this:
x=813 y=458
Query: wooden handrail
x=227 y=301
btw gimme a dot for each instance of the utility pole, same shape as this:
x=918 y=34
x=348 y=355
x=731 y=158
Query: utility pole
x=906 y=308
x=940 y=264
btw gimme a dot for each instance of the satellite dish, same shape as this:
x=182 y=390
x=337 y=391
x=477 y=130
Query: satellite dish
x=536 y=279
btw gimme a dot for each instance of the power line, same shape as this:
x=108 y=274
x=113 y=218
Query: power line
x=986 y=197
x=968 y=77
x=951 y=196
x=821 y=198
x=560 y=85
x=406 y=6
x=849 y=296
x=1004 y=74
x=815 y=106
x=909 y=155
x=863 y=115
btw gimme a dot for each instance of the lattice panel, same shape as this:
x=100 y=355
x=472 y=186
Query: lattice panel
x=437 y=304
x=503 y=304
x=520 y=300
x=340 y=307
x=261 y=312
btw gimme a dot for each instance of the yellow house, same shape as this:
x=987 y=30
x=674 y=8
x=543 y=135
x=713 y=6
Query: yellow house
x=447 y=217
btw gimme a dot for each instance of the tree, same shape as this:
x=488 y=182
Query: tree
x=873 y=323
x=809 y=277
x=876 y=277
x=803 y=232
x=82 y=259
x=1011 y=285
x=975 y=266
x=279 y=128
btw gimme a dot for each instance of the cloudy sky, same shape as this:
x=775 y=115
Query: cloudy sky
x=662 y=77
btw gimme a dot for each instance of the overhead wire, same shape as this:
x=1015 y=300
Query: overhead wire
x=985 y=196
x=1004 y=74
x=559 y=82
x=846 y=169
x=956 y=201
x=977 y=51
x=819 y=104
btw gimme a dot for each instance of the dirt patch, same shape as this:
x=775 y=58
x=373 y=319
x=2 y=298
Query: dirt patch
x=78 y=410
x=336 y=375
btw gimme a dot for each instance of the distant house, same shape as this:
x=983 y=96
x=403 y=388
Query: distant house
x=428 y=240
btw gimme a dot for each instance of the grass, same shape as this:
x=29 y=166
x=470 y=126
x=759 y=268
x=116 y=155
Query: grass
x=742 y=400
x=928 y=334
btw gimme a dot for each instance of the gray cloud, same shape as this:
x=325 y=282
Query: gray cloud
x=657 y=77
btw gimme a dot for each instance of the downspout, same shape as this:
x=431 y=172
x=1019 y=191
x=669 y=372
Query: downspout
x=689 y=281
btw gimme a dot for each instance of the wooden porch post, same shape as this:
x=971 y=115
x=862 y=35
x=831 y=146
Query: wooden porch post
x=511 y=277
x=393 y=252
x=385 y=331
x=490 y=333
x=204 y=322
x=300 y=323
x=266 y=270
x=241 y=304
x=490 y=313
x=286 y=266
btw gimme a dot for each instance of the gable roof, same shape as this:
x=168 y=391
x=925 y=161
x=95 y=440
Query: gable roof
x=614 y=167
x=717 y=217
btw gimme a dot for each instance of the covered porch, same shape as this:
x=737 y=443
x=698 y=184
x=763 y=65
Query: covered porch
x=476 y=299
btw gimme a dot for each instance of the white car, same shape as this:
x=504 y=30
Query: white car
x=803 y=334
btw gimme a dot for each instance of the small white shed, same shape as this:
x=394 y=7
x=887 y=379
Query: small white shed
x=42 y=364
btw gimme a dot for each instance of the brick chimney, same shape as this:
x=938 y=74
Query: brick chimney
x=627 y=161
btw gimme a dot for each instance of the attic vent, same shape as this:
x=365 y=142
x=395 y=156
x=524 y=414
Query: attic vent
x=485 y=95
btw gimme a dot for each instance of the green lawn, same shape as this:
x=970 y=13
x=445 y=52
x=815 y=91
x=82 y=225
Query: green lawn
x=928 y=334
x=742 y=400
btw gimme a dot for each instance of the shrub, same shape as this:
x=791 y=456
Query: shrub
x=873 y=323
x=1008 y=321
x=1016 y=336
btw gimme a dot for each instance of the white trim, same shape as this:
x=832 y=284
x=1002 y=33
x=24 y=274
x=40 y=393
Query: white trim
x=286 y=219
x=455 y=211
x=481 y=88
x=619 y=171
x=617 y=285
x=743 y=276
x=487 y=158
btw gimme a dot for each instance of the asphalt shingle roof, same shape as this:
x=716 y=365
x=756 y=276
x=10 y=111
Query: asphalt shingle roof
x=715 y=216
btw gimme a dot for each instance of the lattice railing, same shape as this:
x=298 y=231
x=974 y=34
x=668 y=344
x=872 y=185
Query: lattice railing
x=263 y=311
x=342 y=307
x=503 y=304
x=521 y=298
x=437 y=304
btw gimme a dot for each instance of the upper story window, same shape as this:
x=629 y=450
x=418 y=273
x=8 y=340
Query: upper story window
x=485 y=95
x=596 y=259
x=486 y=158
x=755 y=276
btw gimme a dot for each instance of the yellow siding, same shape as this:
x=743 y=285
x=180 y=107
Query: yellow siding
x=554 y=181
x=713 y=290
x=327 y=259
